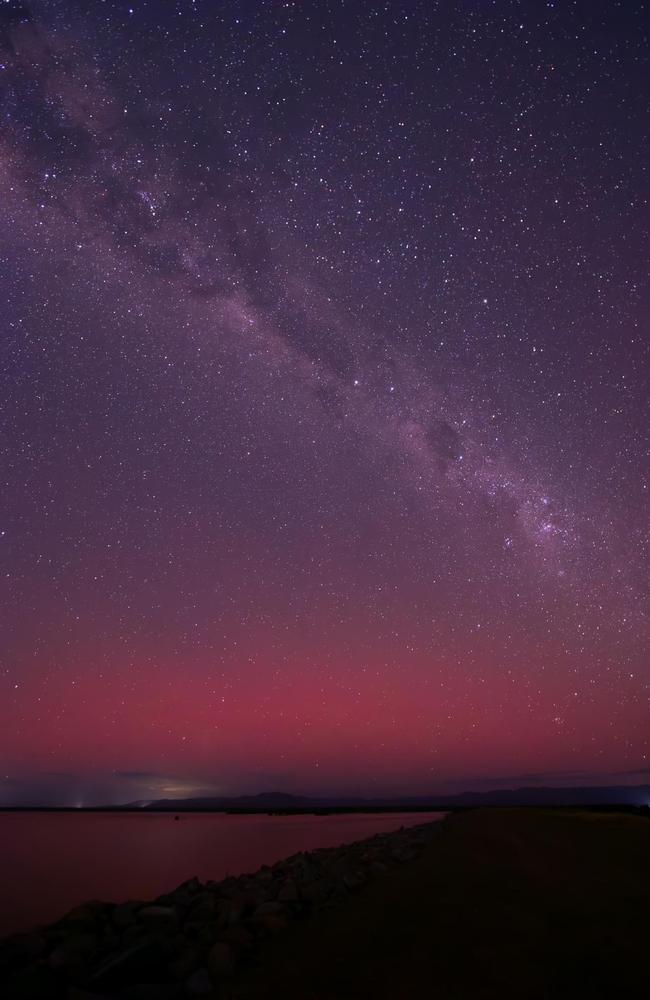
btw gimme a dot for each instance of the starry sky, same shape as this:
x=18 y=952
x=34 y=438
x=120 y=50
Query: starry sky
x=324 y=382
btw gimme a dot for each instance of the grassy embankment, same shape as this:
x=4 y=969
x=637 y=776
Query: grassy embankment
x=506 y=903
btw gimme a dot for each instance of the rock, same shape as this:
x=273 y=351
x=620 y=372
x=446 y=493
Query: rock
x=185 y=962
x=221 y=960
x=136 y=934
x=158 y=916
x=264 y=909
x=201 y=932
x=199 y=984
x=92 y=909
x=228 y=887
x=204 y=907
x=237 y=907
x=267 y=892
x=192 y=929
x=75 y=993
x=34 y=982
x=191 y=886
x=316 y=892
x=183 y=897
x=272 y=923
x=86 y=917
x=403 y=855
x=25 y=947
x=238 y=936
x=288 y=892
x=73 y=950
x=271 y=916
x=109 y=940
x=354 y=881
x=151 y=991
x=138 y=960
x=125 y=914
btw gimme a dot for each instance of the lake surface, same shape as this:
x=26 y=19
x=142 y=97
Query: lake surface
x=50 y=862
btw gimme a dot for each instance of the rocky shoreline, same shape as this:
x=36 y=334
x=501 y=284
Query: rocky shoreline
x=191 y=942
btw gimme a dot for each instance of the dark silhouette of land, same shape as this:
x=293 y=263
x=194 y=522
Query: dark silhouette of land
x=612 y=796
x=624 y=795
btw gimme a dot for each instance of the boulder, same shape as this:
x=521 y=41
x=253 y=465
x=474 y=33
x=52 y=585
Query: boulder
x=403 y=854
x=33 y=982
x=204 y=907
x=221 y=960
x=152 y=991
x=238 y=936
x=288 y=892
x=73 y=950
x=125 y=914
x=237 y=907
x=185 y=962
x=271 y=916
x=191 y=886
x=354 y=880
x=317 y=891
x=24 y=947
x=228 y=887
x=136 y=934
x=91 y=910
x=158 y=917
x=264 y=909
x=199 y=984
x=76 y=993
x=135 y=961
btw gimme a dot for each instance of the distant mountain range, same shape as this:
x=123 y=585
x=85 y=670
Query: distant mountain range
x=630 y=795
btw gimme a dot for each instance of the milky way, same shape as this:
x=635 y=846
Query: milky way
x=325 y=389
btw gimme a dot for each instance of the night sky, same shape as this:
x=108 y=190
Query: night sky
x=324 y=380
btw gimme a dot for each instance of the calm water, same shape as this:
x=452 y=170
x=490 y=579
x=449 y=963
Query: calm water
x=50 y=862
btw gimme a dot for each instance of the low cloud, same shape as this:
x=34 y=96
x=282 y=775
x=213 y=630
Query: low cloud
x=99 y=789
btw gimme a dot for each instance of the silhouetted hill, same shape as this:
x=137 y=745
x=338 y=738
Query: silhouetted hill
x=535 y=796
x=579 y=796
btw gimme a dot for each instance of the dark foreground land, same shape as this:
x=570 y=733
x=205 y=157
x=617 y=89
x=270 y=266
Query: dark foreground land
x=490 y=903
x=506 y=903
